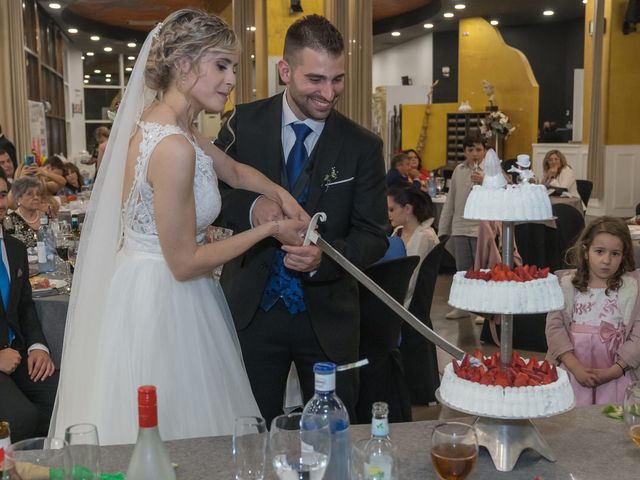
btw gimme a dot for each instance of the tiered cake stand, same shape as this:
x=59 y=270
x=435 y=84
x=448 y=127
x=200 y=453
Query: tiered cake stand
x=507 y=437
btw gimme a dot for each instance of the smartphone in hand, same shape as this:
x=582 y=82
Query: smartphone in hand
x=29 y=159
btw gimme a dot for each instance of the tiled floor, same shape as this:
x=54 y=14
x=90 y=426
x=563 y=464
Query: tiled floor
x=462 y=332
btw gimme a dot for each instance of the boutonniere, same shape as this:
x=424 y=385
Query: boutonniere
x=329 y=177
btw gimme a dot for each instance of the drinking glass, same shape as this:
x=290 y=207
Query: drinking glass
x=454 y=450
x=300 y=446
x=37 y=458
x=72 y=254
x=631 y=409
x=439 y=185
x=84 y=450
x=250 y=439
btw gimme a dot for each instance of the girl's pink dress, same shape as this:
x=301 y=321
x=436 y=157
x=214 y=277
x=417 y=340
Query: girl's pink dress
x=597 y=331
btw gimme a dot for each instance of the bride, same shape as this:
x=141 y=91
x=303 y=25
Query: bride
x=144 y=306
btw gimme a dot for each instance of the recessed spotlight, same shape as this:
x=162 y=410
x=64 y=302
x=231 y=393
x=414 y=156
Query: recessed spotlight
x=97 y=71
x=459 y=6
x=494 y=22
x=86 y=81
x=108 y=80
x=548 y=13
x=251 y=28
x=89 y=54
x=395 y=34
x=428 y=25
x=448 y=15
x=82 y=57
x=131 y=45
x=107 y=49
x=72 y=30
x=55 y=6
x=95 y=38
x=128 y=69
x=253 y=56
x=108 y=75
x=87 y=76
x=131 y=57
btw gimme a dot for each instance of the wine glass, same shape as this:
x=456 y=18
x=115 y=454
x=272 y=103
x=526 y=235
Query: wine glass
x=72 y=254
x=454 y=450
x=84 y=450
x=631 y=409
x=439 y=185
x=250 y=438
x=300 y=446
x=36 y=458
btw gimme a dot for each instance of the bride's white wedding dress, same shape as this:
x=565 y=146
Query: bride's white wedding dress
x=156 y=330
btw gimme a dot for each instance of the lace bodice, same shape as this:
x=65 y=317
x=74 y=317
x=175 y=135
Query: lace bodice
x=138 y=210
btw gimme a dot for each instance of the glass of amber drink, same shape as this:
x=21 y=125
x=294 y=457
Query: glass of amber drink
x=454 y=450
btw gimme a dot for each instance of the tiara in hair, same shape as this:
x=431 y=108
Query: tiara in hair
x=156 y=31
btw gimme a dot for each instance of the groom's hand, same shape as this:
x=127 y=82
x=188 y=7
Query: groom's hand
x=302 y=259
x=265 y=210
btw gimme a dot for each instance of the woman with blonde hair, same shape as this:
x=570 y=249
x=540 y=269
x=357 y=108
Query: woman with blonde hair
x=145 y=308
x=557 y=173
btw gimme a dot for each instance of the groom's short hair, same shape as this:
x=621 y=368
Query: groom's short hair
x=314 y=32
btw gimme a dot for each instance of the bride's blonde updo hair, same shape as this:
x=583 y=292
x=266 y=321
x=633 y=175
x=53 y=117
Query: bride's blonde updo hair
x=189 y=33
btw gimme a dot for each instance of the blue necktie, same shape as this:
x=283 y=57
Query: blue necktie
x=298 y=155
x=5 y=286
x=284 y=283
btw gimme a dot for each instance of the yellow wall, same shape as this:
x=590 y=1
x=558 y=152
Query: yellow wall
x=279 y=20
x=434 y=154
x=483 y=55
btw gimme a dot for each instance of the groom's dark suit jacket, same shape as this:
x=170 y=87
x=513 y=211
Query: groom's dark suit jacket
x=356 y=218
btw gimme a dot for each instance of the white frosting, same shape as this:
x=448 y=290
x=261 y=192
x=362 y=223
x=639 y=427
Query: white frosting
x=524 y=202
x=509 y=402
x=534 y=296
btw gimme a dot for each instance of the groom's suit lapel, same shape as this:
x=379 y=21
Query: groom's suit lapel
x=272 y=150
x=323 y=158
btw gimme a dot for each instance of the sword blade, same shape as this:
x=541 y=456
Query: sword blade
x=387 y=299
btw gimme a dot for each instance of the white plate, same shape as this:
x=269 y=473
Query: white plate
x=55 y=283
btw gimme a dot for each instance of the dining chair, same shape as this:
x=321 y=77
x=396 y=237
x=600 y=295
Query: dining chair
x=383 y=378
x=584 y=190
x=569 y=225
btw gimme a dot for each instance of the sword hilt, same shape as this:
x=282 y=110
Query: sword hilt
x=312 y=236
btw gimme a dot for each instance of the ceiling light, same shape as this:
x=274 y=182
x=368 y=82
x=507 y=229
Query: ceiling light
x=97 y=71
x=87 y=76
x=584 y=1
x=86 y=81
x=131 y=45
x=108 y=80
x=95 y=38
x=428 y=25
x=108 y=49
x=72 y=30
x=494 y=22
x=448 y=15
x=459 y=6
x=253 y=56
x=128 y=69
x=548 y=13
x=55 y=6
x=82 y=57
x=108 y=75
x=251 y=28
x=131 y=57
x=395 y=34
x=89 y=54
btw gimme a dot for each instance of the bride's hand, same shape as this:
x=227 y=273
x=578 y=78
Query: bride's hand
x=291 y=231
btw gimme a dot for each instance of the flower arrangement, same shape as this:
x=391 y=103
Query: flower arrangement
x=496 y=124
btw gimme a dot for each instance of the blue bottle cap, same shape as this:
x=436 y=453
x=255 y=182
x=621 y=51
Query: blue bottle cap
x=324 y=368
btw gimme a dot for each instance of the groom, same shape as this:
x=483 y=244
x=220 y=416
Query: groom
x=295 y=304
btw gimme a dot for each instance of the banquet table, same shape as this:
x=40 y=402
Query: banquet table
x=52 y=313
x=588 y=445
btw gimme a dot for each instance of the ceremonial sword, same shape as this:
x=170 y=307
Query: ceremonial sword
x=312 y=236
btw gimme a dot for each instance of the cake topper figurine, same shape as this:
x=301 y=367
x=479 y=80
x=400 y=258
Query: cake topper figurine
x=523 y=168
x=493 y=176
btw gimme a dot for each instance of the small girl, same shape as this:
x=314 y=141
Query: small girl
x=596 y=338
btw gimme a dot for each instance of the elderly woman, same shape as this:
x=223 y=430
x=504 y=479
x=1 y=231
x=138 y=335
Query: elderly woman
x=23 y=223
x=557 y=173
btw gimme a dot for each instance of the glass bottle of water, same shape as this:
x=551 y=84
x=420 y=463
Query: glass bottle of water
x=46 y=246
x=325 y=402
x=379 y=452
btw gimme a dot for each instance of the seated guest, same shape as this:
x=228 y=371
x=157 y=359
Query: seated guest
x=557 y=173
x=7 y=164
x=411 y=215
x=51 y=175
x=23 y=223
x=28 y=380
x=74 y=180
x=416 y=170
x=397 y=174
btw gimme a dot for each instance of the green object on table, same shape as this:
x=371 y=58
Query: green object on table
x=82 y=473
x=614 y=411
